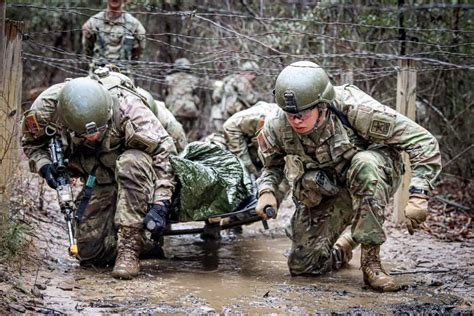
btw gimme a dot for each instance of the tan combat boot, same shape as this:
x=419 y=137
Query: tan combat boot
x=129 y=244
x=342 y=250
x=374 y=274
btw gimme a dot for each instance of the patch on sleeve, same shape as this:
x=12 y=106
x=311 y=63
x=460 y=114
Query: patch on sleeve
x=263 y=142
x=382 y=125
x=380 y=128
x=261 y=122
x=32 y=123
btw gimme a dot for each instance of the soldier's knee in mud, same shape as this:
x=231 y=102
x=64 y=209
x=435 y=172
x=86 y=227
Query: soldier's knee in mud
x=309 y=260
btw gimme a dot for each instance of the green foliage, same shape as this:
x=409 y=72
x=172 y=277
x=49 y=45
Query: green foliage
x=13 y=241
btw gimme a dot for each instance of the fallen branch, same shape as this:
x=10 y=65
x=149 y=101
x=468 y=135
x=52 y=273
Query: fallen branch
x=446 y=201
x=420 y=271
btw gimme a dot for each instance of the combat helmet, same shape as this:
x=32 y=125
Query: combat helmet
x=301 y=86
x=250 y=66
x=150 y=101
x=84 y=105
x=182 y=64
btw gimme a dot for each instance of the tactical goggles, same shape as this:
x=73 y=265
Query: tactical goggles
x=305 y=114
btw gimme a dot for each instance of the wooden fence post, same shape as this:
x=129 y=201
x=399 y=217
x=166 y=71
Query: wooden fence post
x=348 y=77
x=2 y=41
x=10 y=107
x=406 y=97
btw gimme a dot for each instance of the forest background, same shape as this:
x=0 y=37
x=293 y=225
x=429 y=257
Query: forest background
x=362 y=39
x=359 y=41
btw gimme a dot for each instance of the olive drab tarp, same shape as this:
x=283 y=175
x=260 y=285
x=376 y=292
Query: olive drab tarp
x=211 y=181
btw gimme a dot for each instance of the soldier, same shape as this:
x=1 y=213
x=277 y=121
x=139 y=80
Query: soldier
x=240 y=132
x=340 y=150
x=167 y=119
x=115 y=144
x=113 y=35
x=181 y=93
x=235 y=94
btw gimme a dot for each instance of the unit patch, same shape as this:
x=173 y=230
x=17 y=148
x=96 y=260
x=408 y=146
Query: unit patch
x=32 y=123
x=380 y=128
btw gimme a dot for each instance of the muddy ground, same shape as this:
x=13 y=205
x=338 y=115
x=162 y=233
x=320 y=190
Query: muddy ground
x=244 y=274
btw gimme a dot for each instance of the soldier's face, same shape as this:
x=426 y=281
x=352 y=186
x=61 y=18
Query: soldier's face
x=114 y=4
x=304 y=121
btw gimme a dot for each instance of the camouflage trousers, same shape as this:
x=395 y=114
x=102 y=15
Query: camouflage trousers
x=371 y=179
x=121 y=203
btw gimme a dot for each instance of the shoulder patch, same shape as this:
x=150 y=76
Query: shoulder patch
x=32 y=123
x=265 y=143
x=260 y=123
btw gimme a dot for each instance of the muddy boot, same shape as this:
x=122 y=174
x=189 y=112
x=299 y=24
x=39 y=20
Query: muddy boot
x=342 y=250
x=129 y=244
x=374 y=274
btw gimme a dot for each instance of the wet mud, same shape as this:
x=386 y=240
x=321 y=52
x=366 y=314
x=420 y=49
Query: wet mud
x=245 y=274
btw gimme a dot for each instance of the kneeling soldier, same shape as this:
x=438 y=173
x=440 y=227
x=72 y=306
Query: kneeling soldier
x=340 y=151
x=115 y=144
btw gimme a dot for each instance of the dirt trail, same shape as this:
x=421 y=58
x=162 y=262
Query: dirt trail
x=247 y=274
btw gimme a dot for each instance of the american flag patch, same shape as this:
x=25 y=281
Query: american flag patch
x=262 y=142
x=32 y=123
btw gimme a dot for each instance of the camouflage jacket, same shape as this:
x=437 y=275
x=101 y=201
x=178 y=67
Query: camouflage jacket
x=241 y=129
x=132 y=126
x=122 y=38
x=171 y=125
x=181 y=97
x=234 y=95
x=336 y=144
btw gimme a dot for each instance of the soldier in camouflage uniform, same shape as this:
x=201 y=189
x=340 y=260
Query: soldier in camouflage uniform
x=340 y=150
x=111 y=77
x=113 y=36
x=181 y=93
x=240 y=132
x=115 y=144
x=167 y=119
x=235 y=94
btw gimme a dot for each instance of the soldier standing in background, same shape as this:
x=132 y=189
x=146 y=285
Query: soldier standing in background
x=181 y=94
x=235 y=94
x=113 y=36
x=115 y=144
x=340 y=150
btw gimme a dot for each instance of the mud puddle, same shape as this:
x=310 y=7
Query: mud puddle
x=247 y=275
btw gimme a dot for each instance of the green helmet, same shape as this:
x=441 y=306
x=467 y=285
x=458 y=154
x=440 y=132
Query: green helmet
x=150 y=101
x=302 y=85
x=84 y=104
x=249 y=66
x=182 y=64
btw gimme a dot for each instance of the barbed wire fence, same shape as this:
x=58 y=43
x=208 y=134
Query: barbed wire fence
x=218 y=38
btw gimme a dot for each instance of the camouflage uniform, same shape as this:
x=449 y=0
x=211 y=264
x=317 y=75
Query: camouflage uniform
x=364 y=162
x=240 y=132
x=171 y=125
x=113 y=40
x=112 y=79
x=181 y=97
x=131 y=167
x=235 y=94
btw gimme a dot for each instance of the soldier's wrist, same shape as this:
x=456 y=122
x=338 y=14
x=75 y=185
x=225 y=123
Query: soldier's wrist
x=267 y=190
x=418 y=192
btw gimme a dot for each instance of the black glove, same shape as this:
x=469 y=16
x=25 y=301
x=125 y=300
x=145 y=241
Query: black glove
x=155 y=219
x=48 y=172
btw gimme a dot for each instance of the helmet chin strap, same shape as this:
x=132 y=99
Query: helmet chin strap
x=322 y=113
